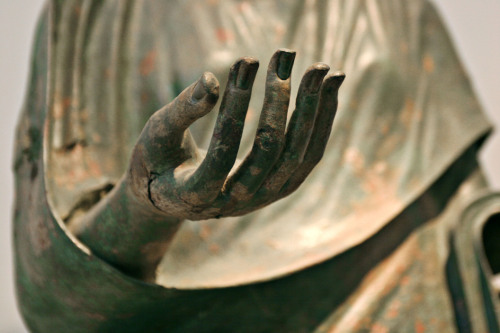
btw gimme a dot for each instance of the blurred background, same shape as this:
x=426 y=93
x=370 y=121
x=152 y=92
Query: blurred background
x=473 y=24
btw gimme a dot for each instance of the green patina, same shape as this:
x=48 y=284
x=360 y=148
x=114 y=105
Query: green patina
x=123 y=224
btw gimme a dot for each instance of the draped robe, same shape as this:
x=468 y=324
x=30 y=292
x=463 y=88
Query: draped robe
x=367 y=240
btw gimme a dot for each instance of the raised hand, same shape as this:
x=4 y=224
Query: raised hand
x=168 y=171
x=169 y=180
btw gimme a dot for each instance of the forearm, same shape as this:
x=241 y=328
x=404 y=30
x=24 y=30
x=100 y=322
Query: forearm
x=129 y=233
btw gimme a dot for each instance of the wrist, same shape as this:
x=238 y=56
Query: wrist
x=122 y=228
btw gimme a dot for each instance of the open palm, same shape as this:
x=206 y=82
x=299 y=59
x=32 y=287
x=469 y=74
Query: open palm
x=168 y=170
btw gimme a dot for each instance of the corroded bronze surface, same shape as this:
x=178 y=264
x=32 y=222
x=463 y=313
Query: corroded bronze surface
x=128 y=221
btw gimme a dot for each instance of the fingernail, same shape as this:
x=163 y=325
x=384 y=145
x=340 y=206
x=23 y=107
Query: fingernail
x=315 y=79
x=335 y=80
x=339 y=78
x=285 y=63
x=246 y=72
x=207 y=85
x=200 y=90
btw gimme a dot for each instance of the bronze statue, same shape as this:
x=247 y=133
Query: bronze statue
x=141 y=209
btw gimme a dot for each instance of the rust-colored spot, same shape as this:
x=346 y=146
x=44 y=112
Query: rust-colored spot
x=94 y=169
x=385 y=128
x=213 y=2
x=148 y=63
x=272 y=244
x=355 y=158
x=244 y=6
x=223 y=35
x=428 y=64
x=380 y=167
x=373 y=179
x=365 y=322
x=57 y=110
x=280 y=31
x=205 y=231
x=66 y=102
x=405 y=280
x=250 y=114
x=393 y=311
x=108 y=73
x=84 y=115
x=356 y=324
x=379 y=328
x=419 y=327
x=406 y=117
x=79 y=165
x=404 y=47
x=144 y=97
x=409 y=104
x=96 y=137
x=214 y=248
x=354 y=104
x=254 y=171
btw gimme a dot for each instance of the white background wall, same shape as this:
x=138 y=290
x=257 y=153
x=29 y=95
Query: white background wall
x=474 y=25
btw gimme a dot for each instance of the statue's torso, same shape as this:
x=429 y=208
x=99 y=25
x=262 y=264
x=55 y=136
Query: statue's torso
x=394 y=107
x=131 y=58
x=407 y=113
